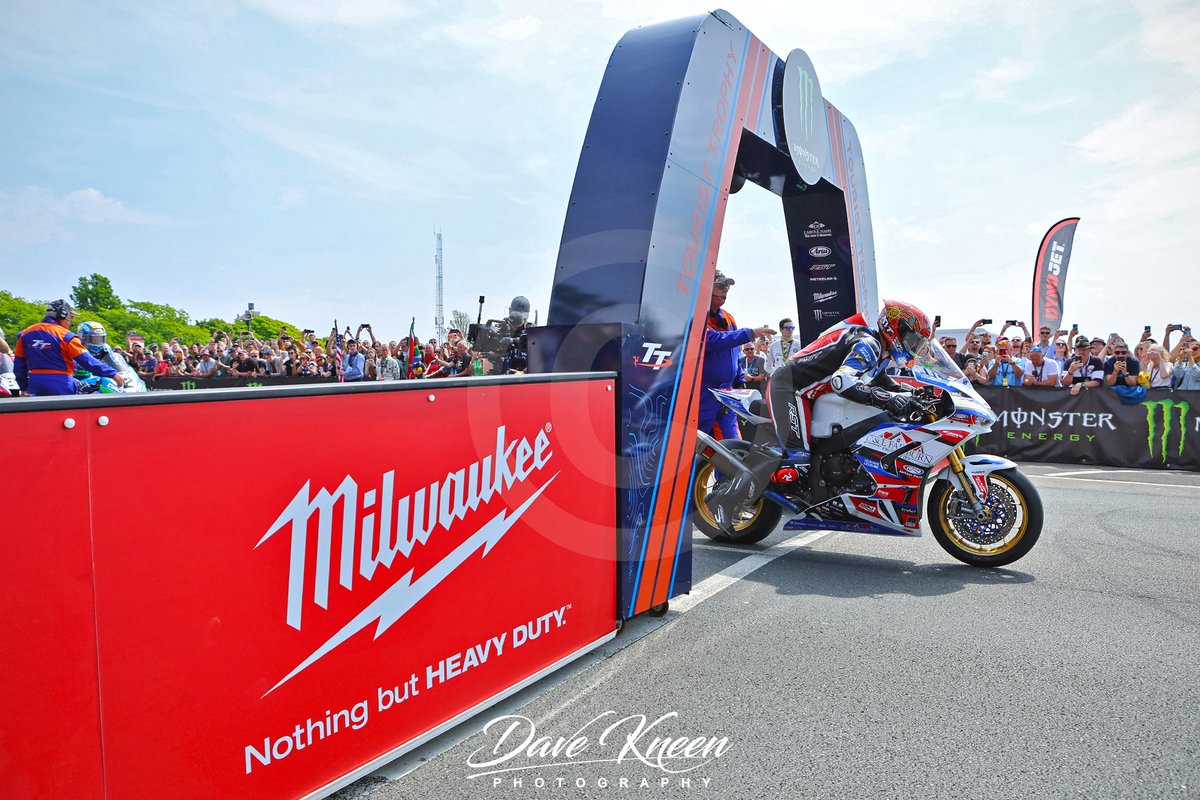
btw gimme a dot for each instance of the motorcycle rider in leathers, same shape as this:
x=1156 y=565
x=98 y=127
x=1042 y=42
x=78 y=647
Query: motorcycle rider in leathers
x=849 y=359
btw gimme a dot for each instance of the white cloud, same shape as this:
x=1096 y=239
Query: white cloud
x=1001 y=80
x=345 y=13
x=1169 y=32
x=1147 y=134
x=517 y=30
x=39 y=215
x=895 y=229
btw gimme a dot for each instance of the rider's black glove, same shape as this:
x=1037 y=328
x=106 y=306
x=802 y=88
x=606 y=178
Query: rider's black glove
x=904 y=407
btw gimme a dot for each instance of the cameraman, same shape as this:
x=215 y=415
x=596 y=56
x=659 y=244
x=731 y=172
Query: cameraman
x=502 y=344
x=512 y=331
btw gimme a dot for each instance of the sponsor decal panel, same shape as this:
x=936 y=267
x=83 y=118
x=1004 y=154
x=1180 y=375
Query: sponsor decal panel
x=820 y=251
x=821 y=267
x=367 y=590
x=1094 y=428
x=818 y=230
x=653 y=356
x=1166 y=419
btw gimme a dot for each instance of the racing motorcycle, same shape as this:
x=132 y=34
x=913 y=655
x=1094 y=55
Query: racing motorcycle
x=870 y=473
x=87 y=383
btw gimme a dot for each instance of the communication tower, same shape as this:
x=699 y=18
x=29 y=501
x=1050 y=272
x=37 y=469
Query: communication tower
x=439 y=320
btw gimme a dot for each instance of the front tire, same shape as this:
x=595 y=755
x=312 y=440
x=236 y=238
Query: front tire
x=753 y=522
x=1013 y=528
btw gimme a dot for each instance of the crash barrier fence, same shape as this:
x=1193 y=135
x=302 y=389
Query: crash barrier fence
x=1162 y=431
x=363 y=593
x=1159 y=431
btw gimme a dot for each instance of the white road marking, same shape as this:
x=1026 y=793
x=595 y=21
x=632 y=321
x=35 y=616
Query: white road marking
x=1065 y=474
x=739 y=569
x=1122 y=483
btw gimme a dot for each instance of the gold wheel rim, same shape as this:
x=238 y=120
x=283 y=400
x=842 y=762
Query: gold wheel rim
x=1011 y=540
x=704 y=477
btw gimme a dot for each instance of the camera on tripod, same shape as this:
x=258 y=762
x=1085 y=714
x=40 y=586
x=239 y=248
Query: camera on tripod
x=494 y=340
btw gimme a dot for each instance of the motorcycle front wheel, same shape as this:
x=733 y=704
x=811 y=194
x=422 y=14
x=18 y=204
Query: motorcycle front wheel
x=752 y=523
x=1011 y=529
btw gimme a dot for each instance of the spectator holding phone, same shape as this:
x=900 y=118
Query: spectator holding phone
x=1083 y=371
x=1122 y=368
x=1157 y=367
x=1009 y=369
x=1042 y=372
x=1186 y=361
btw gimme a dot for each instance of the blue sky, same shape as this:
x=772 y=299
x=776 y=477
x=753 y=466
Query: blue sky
x=300 y=154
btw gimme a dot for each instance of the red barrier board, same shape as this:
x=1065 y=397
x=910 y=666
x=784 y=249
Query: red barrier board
x=49 y=701
x=388 y=561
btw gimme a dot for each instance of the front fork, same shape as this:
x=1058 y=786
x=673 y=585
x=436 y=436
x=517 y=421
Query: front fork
x=964 y=482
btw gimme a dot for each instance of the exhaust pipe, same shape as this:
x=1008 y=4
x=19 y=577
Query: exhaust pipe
x=722 y=458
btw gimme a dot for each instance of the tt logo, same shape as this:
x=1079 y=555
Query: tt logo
x=655 y=358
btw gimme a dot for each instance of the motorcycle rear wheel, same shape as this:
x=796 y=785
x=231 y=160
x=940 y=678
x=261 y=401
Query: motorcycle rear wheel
x=1010 y=533
x=752 y=524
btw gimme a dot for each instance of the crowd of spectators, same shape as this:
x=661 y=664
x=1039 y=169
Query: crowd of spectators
x=1067 y=359
x=345 y=357
x=1053 y=359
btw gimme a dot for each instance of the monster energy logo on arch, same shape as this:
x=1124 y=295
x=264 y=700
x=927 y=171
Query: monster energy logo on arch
x=804 y=124
x=1167 y=407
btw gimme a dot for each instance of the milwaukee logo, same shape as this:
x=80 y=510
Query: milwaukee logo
x=403 y=524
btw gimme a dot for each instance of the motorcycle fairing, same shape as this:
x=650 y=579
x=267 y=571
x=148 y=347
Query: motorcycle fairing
x=977 y=468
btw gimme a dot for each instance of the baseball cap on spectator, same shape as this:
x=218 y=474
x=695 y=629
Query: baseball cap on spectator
x=1082 y=341
x=1097 y=340
x=719 y=279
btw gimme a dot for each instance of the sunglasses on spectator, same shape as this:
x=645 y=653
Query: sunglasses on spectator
x=1120 y=352
x=951 y=344
x=789 y=327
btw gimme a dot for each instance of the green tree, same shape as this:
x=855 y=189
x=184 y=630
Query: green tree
x=17 y=314
x=95 y=293
x=460 y=320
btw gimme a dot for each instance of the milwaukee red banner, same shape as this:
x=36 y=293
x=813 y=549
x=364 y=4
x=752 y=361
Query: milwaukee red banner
x=1050 y=274
x=384 y=563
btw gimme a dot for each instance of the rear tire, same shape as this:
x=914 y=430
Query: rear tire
x=1010 y=533
x=754 y=523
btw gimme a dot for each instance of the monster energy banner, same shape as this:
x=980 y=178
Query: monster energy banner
x=1095 y=427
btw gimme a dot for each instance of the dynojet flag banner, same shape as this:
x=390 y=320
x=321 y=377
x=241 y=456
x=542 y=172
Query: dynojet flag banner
x=1050 y=274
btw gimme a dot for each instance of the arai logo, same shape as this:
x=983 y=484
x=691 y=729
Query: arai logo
x=819 y=252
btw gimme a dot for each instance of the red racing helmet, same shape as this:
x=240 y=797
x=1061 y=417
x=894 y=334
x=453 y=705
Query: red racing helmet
x=905 y=329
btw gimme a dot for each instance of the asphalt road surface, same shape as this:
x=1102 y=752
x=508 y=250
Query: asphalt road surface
x=839 y=665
